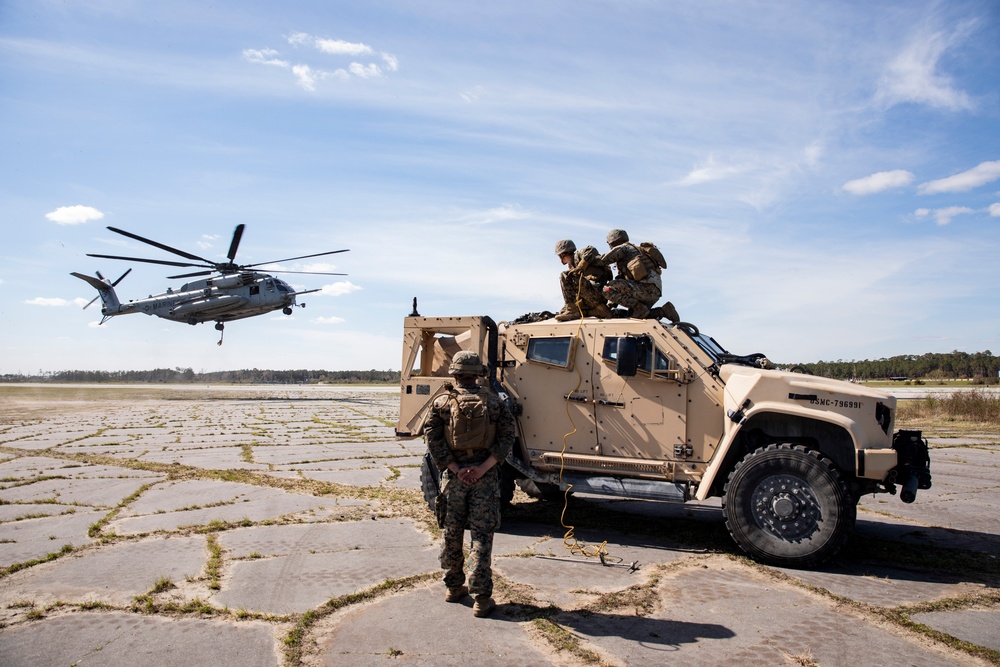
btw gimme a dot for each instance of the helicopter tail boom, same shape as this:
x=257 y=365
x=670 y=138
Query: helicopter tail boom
x=109 y=299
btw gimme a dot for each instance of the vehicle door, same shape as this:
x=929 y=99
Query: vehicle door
x=643 y=416
x=549 y=374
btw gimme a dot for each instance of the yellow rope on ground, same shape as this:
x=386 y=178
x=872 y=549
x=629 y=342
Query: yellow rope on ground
x=570 y=541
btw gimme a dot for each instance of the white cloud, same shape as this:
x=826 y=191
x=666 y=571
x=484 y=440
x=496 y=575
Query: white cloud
x=710 y=171
x=339 y=47
x=264 y=57
x=879 y=182
x=306 y=76
x=472 y=95
x=330 y=320
x=339 y=288
x=74 y=215
x=504 y=213
x=49 y=301
x=943 y=216
x=994 y=212
x=913 y=77
x=370 y=71
x=981 y=174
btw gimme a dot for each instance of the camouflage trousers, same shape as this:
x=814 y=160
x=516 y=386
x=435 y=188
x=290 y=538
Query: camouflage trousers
x=629 y=293
x=575 y=288
x=477 y=507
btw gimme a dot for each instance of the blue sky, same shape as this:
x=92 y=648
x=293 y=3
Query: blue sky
x=823 y=178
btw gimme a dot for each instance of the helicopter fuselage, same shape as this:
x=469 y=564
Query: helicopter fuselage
x=236 y=291
x=220 y=299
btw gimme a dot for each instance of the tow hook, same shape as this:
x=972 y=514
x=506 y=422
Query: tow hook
x=913 y=466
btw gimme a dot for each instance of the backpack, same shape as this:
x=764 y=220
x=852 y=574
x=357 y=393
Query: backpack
x=469 y=426
x=649 y=260
x=654 y=254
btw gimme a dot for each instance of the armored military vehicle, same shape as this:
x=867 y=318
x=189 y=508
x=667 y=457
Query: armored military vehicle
x=648 y=410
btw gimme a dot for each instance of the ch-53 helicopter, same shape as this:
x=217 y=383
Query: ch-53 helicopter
x=238 y=291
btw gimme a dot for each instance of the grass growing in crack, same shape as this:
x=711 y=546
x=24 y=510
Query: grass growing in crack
x=213 y=568
x=900 y=616
x=295 y=639
x=16 y=567
x=95 y=528
x=162 y=584
x=247 y=452
x=562 y=639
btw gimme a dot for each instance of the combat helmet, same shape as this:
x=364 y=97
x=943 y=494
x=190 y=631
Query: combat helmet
x=617 y=237
x=565 y=247
x=467 y=363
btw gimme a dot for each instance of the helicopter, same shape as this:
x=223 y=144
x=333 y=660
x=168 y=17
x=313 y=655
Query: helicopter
x=237 y=292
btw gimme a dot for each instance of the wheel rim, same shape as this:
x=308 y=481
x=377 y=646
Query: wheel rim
x=786 y=507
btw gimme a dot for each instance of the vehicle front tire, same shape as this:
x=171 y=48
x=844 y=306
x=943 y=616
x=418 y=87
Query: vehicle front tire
x=788 y=505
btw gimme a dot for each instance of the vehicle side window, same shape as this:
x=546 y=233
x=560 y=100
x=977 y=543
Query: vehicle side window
x=648 y=355
x=552 y=351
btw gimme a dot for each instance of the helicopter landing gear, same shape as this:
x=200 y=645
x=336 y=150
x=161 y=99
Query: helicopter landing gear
x=221 y=328
x=286 y=310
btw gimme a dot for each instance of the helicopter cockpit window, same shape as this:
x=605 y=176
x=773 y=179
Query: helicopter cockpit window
x=551 y=351
x=651 y=360
x=254 y=289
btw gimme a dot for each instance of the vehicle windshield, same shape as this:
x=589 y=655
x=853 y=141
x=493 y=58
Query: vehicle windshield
x=708 y=344
x=720 y=354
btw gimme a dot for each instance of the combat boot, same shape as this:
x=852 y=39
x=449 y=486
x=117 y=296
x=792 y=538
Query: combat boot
x=456 y=594
x=484 y=606
x=601 y=311
x=670 y=312
x=639 y=311
x=567 y=313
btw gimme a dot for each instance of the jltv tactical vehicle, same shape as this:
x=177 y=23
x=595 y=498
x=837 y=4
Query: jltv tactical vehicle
x=649 y=410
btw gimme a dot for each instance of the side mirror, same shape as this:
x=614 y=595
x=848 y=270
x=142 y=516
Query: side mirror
x=628 y=356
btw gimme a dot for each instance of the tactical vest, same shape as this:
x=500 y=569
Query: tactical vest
x=469 y=427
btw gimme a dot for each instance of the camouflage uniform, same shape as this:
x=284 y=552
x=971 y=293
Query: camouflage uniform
x=581 y=285
x=476 y=506
x=636 y=295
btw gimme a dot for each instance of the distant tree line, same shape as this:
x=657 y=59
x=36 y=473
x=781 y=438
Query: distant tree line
x=981 y=366
x=187 y=375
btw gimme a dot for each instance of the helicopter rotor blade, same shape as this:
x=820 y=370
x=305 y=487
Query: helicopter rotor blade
x=308 y=273
x=237 y=235
x=120 y=278
x=192 y=275
x=161 y=246
x=148 y=261
x=289 y=259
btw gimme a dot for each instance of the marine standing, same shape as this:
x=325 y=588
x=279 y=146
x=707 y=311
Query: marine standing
x=469 y=433
x=637 y=285
x=582 y=282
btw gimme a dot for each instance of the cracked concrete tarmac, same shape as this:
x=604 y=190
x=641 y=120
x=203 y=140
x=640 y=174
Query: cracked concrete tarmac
x=285 y=526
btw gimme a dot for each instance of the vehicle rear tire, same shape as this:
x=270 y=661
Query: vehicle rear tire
x=788 y=505
x=540 y=490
